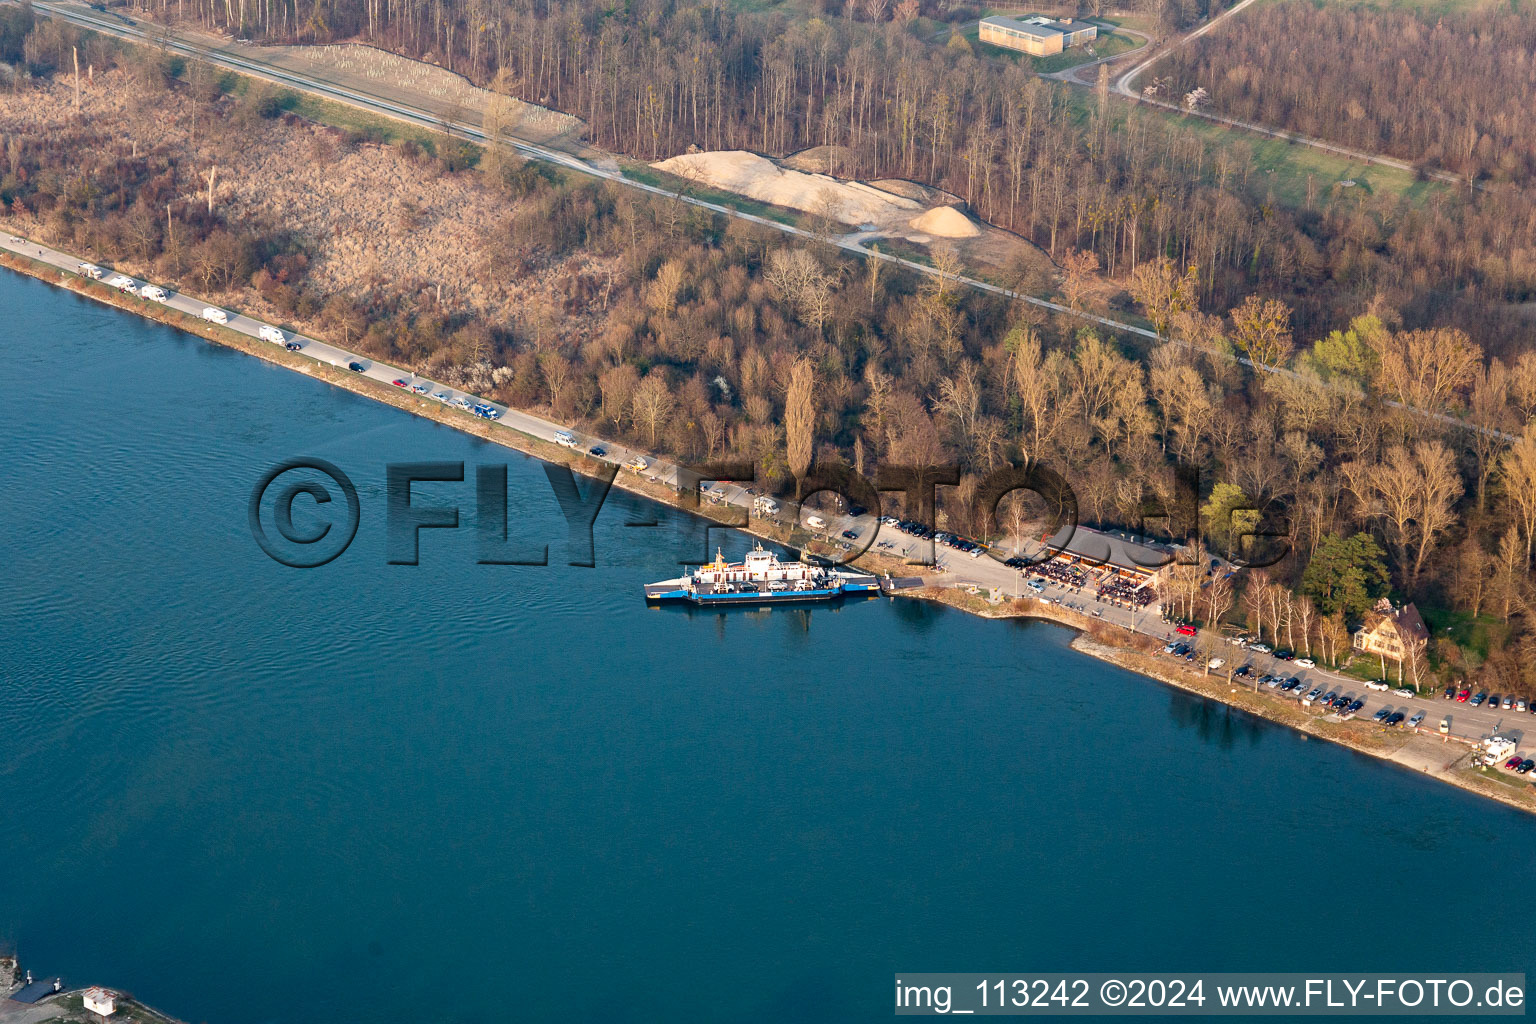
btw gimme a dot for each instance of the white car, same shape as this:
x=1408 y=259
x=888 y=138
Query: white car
x=272 y=334
x=153 y=291
x=215 y=316
x=1215 y=663
x=1377 y=684
x=1406 y=691
x=1305 y=663
x=91 y=271
x=442 y=396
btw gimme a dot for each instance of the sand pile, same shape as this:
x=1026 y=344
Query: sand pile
x=759 y=178
x=945 y=222
x=428 y=82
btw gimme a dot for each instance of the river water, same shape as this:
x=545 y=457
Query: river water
x=464 y=792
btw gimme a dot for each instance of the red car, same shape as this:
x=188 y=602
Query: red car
x=1185 y=631
x=1513 y=762
x=1463 y=695
x=399 y=383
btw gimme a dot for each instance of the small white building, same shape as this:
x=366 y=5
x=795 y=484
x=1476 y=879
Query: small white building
x=101 y=1001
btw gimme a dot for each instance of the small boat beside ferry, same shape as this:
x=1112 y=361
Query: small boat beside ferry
x=761 y=579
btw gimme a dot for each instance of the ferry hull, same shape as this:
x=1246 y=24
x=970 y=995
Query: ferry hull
x=760 y=579
x=667 y=594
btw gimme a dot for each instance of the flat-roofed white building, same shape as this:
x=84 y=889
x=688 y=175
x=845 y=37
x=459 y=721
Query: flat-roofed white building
x=100 y=1001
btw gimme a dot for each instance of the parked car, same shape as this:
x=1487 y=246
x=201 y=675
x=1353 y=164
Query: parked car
x=1394 y=720
x=1445 y=725
x=857 y=510
x=1406 y=691
x=1526 y=766
x=1417 y=720
x=399 y=382
x=355 y=366
x=1312 y=695
x=850 y=535
x=1478 y=698
x=1260 y=648
x=1519 y=703
x=1381 y=716
x=1508 y=703
x=597 y=451
x=1215 y=663
x=1450 y=693
x=292 y=346
x=1284 y=654
x=1513 y=762
x=420 y=389
x=1305 y=663
x=816 y=522
x=1462 y=695
x=1185 y=629
x=441 y=396
x=1377 y=684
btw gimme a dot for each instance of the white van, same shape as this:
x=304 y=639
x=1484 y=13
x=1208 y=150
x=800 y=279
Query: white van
x=566 y=438
x=215 y=316
x=816 y=522
x=153 y=291
x=272 y=334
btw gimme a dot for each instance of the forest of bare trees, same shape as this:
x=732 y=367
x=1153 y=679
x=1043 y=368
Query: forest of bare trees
x=1066 y=171
x=1450 y=91
x=1396 y=452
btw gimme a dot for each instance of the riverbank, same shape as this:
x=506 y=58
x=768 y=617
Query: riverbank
x=1444 y=758
x=1098 y=638
x=67 y=1006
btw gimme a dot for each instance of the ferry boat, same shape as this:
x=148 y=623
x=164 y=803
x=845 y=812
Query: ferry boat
x=761 y=579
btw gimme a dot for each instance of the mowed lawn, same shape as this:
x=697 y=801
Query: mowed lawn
x=1287 y=169
x=1430 y=9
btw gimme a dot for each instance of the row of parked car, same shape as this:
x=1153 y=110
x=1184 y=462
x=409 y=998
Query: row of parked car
x=922 y=530
x=124 y=284
x=1508 y=702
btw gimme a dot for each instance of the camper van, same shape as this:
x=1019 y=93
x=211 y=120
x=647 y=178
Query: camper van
x=765 y=506
x=153 y=291
x=215 y=316
x=272 y=334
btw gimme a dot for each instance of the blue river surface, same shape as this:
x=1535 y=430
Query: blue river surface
x=461 y=792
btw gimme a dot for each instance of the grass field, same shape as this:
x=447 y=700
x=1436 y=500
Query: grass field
x=1288 y=169
x=1428 y=8
x=373 y=127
